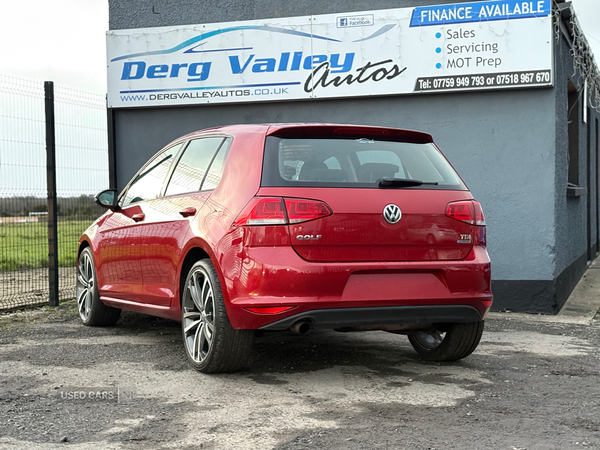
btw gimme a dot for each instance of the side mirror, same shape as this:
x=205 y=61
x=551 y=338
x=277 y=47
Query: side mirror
x=107 y=199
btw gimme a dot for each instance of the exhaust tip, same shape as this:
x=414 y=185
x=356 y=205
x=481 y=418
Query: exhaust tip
x=301 y=327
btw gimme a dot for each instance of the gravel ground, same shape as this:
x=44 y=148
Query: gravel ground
x=531 y=384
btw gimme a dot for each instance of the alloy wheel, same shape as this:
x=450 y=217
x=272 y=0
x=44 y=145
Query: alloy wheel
x=85 y=285
x=199 y=315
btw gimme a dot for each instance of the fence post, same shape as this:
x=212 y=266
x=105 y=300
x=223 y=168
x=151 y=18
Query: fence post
x=112 y=154
x=51 y=186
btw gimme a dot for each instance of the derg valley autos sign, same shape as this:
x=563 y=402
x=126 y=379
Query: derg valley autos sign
x=462 y=46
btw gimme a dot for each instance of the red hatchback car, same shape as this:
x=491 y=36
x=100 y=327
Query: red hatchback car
x=297 y=226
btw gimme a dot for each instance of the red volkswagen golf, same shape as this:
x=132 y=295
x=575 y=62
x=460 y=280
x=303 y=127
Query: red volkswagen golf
x=298 y=226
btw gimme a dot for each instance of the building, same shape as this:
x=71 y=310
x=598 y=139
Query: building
x=519 y=119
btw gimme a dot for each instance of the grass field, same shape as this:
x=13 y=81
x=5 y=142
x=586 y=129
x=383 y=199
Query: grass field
x=25 y=245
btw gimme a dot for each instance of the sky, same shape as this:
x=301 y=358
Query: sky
x=64 y=40
x=58 y=40
x=588 y=15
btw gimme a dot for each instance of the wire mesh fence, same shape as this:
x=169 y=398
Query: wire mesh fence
x=81 y=171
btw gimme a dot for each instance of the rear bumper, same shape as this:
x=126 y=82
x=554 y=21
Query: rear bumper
x=383 y=316
x=335 y=295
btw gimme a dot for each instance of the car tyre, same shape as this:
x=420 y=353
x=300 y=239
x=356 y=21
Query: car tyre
x=211 y=344
x=447 y=342
x=91 y=310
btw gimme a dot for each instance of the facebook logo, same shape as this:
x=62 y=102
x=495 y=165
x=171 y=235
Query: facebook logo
x=356 y=21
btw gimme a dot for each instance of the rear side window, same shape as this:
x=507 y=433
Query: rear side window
x=354 y=163
x=216 y=167
x=192 y=166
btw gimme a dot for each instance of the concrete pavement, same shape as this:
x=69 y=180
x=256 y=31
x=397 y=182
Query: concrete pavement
x=582 y=306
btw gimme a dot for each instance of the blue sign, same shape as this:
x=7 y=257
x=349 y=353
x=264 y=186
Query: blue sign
x=479 y=12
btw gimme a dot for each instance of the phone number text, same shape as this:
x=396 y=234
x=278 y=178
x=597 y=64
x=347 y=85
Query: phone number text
x=539 y=77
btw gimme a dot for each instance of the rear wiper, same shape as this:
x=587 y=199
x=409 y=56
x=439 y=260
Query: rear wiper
x=388 y=182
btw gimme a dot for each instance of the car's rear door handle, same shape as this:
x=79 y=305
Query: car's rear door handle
x=138 y=217
x=187 y=212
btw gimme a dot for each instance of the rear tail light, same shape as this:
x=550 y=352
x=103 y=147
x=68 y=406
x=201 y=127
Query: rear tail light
x=479 y=218
x=280 y=211
x=263 y=211
x=299 y=210
x=469 y=211
x=462 y=211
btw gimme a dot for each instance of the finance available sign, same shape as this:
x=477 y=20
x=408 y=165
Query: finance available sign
x=462 y=46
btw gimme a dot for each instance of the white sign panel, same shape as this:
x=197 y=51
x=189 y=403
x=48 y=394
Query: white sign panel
x=462 y=46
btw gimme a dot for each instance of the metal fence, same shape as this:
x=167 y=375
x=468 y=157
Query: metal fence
x=81 y=171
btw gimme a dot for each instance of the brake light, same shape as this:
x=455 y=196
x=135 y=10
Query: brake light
x=462 y=211
x=299 y=210
x=361 y=131
x=280 y=211
x=467 y=211
x=262 y=211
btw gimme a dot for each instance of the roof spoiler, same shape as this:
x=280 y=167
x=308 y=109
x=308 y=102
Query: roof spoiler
x=349 y=131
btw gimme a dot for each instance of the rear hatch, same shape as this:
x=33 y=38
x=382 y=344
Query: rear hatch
x=391 y=194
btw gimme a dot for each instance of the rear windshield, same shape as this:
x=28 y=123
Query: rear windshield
x=359 y=162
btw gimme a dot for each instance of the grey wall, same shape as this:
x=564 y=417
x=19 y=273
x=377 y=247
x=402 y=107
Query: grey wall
x=494 y=139
x=571 y=212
